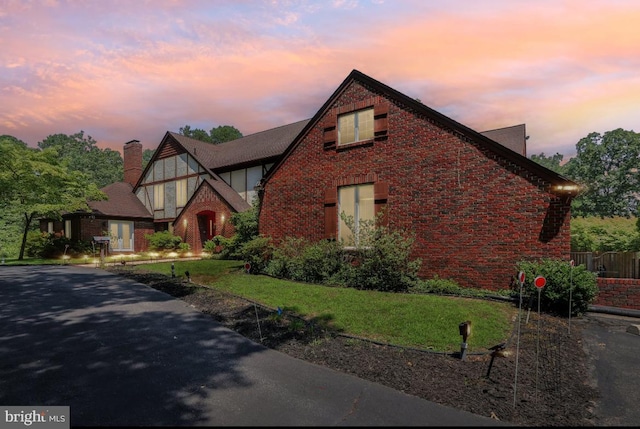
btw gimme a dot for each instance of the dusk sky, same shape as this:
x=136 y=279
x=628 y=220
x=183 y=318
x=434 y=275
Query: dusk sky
x=133 y=69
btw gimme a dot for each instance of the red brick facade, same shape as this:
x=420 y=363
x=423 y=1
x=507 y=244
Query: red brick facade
x=191 y=225
x=621 y=293
x=473 y=212
x=132 y=162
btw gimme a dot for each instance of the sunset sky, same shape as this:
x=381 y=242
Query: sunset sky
x=134 y=69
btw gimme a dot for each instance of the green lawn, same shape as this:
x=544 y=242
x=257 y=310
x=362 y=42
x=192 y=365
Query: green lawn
x=421 y=321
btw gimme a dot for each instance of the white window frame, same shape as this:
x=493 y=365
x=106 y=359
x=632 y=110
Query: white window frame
x=117 y=241
x=67 y=228
x=181 y=193
x=358 y=117
x=158 y=196
x=357 y=208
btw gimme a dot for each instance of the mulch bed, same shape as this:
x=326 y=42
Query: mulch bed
x=552 y=385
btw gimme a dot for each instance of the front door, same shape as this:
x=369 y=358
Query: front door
x=207 y=225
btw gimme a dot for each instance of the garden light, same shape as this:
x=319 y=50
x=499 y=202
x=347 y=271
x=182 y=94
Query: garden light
x=465 y=331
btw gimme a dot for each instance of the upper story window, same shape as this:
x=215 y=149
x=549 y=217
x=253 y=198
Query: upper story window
x=158 y=196
x=361 y=123
x=181 y=193
x=355 y=126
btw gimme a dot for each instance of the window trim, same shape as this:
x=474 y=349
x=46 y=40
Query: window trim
x=158 y=196
x=115 y=239
x=357 y=210
x=67 y=228
x=329 y=124
x=356 y=126
x=181 y=192
x=331 y=215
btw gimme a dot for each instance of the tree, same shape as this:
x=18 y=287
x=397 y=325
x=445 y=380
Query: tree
x=147 y=154
x=550 y=162
x=196 y=133
x=224 y=133
x=103 y=166
x=609 y=166
x=37 y=183
x=220 y=134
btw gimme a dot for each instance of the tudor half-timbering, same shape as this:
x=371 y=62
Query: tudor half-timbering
x=189 y=187
x=476 y=207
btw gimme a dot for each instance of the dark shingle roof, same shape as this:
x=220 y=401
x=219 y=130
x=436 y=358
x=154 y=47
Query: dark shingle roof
x=230 y=196
x=254 y=147
x=513 y=137
x=122 y=202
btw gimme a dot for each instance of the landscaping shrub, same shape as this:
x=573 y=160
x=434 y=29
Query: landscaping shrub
x=163 y=240
x=298 y=259
x=246 y=229
x=184 y=248
x=438 y=286
x=49 y=245
x=40 y=245
x=562 y=282
x=257 y=252
x=381 y=259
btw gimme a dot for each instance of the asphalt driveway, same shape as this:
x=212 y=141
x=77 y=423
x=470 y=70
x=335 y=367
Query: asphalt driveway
x=120 y=353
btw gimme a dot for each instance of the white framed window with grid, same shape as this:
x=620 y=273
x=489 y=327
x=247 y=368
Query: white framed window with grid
x=357 y=204
x=355 y=126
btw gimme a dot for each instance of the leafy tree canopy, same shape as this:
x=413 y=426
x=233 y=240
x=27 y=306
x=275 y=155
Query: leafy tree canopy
x=35 y=182
x=550 y=162
x=220 y=134
x=608 y=165
x=80 y=152
x=147 y=154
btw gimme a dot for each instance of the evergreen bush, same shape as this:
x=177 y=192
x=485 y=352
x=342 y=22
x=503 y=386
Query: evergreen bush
x=563 y=283
x=163 y=240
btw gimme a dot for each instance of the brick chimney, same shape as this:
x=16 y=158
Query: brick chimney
x=132 y=161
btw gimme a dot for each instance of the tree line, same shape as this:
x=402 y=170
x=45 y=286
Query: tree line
x=608 y=167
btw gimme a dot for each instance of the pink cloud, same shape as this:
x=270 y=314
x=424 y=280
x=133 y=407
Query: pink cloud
x=137 y=69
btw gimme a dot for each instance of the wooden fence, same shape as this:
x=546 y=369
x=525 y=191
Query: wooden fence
x=624 y=265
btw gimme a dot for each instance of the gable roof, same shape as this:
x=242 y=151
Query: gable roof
x=122 y=202
x=229 y=194
x=513 y=137
x=263 y=145
x=559 y=184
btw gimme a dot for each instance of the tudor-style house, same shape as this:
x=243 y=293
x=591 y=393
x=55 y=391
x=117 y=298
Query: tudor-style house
x=475 y=203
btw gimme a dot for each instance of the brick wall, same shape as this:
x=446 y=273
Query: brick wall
x=140 y=229
x=474 y=215
x=132 y=154
x=206 y=200
x=622 y=293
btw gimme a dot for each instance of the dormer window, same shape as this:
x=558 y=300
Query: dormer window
x=355 y=126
